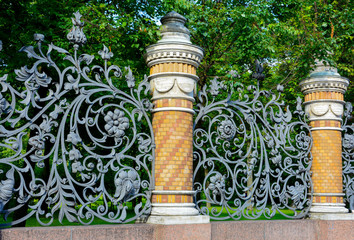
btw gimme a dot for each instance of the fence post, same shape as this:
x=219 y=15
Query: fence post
x=173 y=62
x=324 y=103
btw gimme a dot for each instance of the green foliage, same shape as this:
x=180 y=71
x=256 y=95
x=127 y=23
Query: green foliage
x=286 y=35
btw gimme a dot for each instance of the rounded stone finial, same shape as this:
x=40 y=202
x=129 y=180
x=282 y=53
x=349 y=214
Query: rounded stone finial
x=323 y=70
x=324 y=78
x=173 y=28
x=173 y=17
x=175 y=45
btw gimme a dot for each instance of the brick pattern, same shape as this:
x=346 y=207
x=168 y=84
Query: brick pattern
x=325 y=123
x=173 y=67
x=327 y=199
x=327 y=161
x=326 y=152
x=324 y=95
x=173 y=103
x=174 y=142
x=172 y=199
x=174 y=150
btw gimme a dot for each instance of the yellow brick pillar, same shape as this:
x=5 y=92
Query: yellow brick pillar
x=324 y=90
x=173 y=62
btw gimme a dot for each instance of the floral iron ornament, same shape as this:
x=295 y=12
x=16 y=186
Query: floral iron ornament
x=81 y=130
x=252 y=158
x=348 y=157
x=116 y=124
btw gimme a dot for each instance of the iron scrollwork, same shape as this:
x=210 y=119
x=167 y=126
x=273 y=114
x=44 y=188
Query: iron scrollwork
x=73 y=145
x=252 y=155
x=348 y=157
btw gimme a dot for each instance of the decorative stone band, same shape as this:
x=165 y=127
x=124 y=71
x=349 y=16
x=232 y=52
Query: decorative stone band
x=325 y=110
x=325 y=124
x=174 y=192
x=173 y=196
x=329 y=194
x=328 y=197
x=179 y=109
x=173 y=52
x=326 y=83
x=326 y=128
x=173 y=85
x=328 y=202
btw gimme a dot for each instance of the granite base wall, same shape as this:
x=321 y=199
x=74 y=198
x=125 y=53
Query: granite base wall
x=264 y=230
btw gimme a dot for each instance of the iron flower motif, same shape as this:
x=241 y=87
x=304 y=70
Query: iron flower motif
x=6 y=188
x=73 y=138
x=38 y=37
x=348 y=141
x=216 y=86
x=130 y=78
x=276 y=159
x=76 y=34
x=74 y=154
x=297 y=193
x=36 y=142
x=3 y=105
x=227 y=129
x=127 y=184
x=116 y=123
x=77 y=167
x=217 y=184
x=105 y=53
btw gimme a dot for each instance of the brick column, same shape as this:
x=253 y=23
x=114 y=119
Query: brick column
x=173 y=62
x=324 y=90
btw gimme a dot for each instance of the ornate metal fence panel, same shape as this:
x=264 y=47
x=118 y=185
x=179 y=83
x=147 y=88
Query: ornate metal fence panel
x=72 y=144
x=348 y=157
x=251 y=154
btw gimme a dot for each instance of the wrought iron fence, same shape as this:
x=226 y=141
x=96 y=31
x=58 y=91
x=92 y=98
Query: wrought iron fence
x=72 y=144
x=348 y=157
x=251 y=154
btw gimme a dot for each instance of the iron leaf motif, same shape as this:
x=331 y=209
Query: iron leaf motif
x=76 y=34
x=127 y=184
x=130 y=78
x=105 y=53
x=69 y=136
x=6 y=188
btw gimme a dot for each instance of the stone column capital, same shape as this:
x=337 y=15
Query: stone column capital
x=172 y=52
x=324 y=78
x=324 y=90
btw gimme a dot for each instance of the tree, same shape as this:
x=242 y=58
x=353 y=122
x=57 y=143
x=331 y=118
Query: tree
x=287 y=35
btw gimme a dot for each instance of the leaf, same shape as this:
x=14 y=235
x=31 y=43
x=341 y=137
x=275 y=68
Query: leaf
x=58 y=49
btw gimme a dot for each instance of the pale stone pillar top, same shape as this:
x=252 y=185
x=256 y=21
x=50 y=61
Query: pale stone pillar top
x=174 y=47
x=175 y=44
x=173 y=29
x=324 y=106
x=324 y=78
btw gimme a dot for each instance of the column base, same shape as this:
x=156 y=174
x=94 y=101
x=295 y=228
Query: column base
x=330 y=211
x=176 y=213
x=172 y=220
x=328 y=208
x=174 y=209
